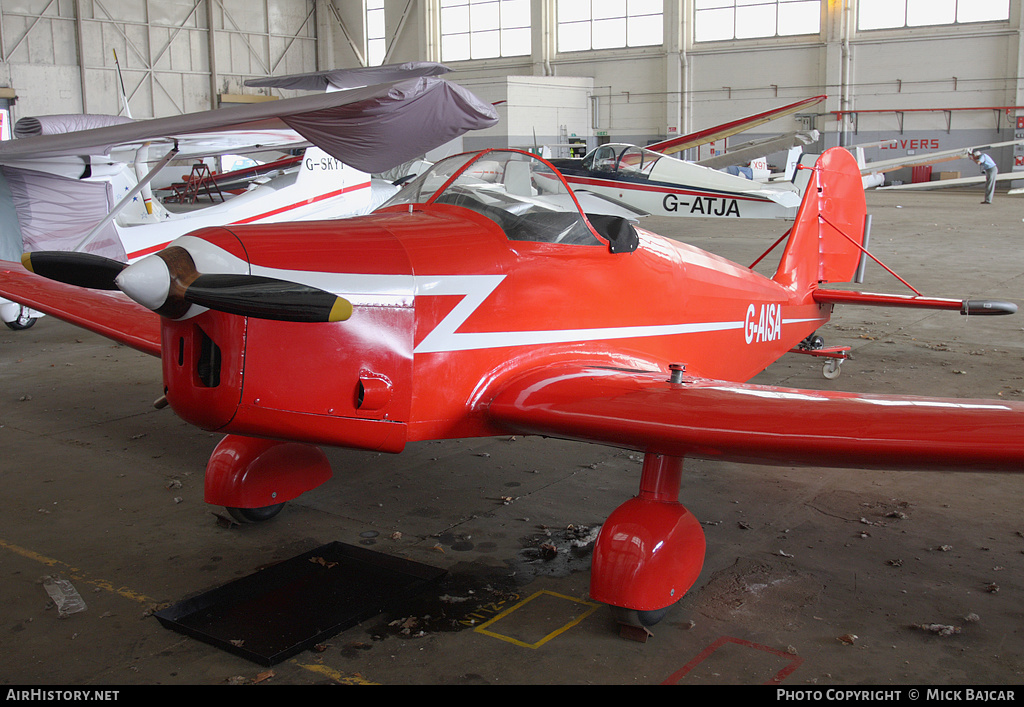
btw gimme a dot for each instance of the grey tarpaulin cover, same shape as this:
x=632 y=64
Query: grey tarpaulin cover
x=415 y=117
x=55 y=212
x=57 y=124
x=350 y=78
x=372 y=128
x=10 y=228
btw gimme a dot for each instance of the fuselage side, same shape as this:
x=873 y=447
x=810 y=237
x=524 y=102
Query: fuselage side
x=446 y=307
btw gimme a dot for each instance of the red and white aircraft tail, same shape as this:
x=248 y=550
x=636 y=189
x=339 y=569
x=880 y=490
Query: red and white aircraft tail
x=828 y=243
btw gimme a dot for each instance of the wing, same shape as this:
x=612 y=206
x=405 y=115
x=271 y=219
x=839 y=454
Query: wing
x=928 y=158
x=717 y=420
x=110 y=314
x=744 y=154
x=371 y=129
x=947 y=183
x=701 y=137
x=341 y=79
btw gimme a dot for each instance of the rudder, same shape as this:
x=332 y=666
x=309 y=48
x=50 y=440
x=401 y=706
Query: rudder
x=828 y=233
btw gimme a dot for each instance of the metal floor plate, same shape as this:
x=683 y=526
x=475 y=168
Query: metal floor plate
x=289 y=607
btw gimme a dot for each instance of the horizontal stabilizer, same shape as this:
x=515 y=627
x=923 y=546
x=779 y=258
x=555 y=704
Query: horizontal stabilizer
x=967 y=307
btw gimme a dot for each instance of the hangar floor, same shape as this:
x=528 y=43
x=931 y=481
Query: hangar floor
x=813 y=576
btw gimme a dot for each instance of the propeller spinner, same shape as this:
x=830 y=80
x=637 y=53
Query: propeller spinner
x=169 y=284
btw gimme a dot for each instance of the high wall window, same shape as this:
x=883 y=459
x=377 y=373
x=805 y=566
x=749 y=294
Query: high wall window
x=484 y=29
x=376 y=38
x=609 y=24
x=715 y=20
x=882 y=14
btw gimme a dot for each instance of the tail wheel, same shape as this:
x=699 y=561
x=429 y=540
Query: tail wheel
x=255 y=515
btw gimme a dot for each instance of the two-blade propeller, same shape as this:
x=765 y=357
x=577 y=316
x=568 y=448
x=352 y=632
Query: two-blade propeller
x=80 y=269
x=169 y=284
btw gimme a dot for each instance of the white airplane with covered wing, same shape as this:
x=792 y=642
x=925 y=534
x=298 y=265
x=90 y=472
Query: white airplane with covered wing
x=651 y=179
x=83 y=183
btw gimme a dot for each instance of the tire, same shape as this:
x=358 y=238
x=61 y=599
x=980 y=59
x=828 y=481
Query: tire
x=640 y=619
x=24 y=321
x=255 y=515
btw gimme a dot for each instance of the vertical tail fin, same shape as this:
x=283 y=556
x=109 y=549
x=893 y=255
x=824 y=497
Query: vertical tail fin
x=322 y=176
x=825 y=242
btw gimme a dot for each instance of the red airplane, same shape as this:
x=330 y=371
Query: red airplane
x=483 y=301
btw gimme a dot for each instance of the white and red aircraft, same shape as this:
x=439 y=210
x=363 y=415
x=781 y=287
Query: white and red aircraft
x=83 y=183
x=469 y=307
x=648 y=178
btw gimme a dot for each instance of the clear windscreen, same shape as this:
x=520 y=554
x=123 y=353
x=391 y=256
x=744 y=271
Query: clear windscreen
x=519 y=192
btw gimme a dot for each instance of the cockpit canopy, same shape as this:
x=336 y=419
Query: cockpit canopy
x=520 y=192
x=626 y=160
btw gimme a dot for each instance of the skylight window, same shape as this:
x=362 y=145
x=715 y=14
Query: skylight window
x=890 y=14
x=718 y=20
x=609 y=24
x=376 y=43
x=484 y=29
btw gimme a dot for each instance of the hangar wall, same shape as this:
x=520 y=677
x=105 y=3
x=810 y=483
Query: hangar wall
x=58 y=55
x=929 y=87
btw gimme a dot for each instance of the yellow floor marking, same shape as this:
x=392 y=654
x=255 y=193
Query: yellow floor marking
x=334 y=674
x=77 y=574
x=485 y=628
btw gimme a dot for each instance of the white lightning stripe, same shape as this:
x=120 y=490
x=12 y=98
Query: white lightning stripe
x=499 y=339
x=476 y=289
x=444 y=337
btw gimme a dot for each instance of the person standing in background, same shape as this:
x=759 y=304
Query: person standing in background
x=989 y=169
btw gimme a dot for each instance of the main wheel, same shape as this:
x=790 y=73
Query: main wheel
x=255 y=515
x=24 y=320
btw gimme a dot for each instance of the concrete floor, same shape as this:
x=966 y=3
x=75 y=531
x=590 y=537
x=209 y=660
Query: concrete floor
x=814 y=577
